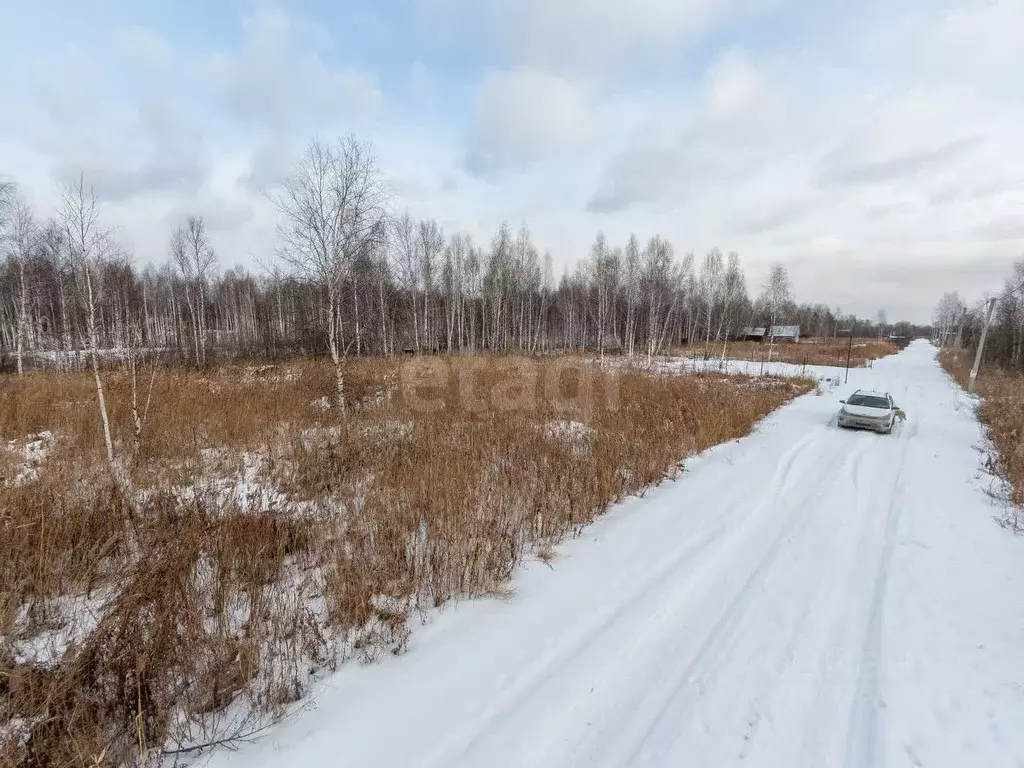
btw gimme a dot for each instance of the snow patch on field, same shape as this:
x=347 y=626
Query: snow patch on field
x=78 y=357
x=379 y=397
x=227 y=479
x=16 y=730
x=389 y=430
x=575 y=434
x=28 y=456
x=678 y=365
x=45 y=629
x=268 y=373
x=319 y=437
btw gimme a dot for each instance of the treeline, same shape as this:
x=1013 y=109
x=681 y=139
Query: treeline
x=350 y=277
x=960 y=325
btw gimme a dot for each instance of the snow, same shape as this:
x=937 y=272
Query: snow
x=29 y=456
x=806 y=596
x=79 y=356
x=575 y=434
x=319 y=437
x=18 y=730
x=235 y=479
x=390 y=430
x=743 y=367
x=69 y=621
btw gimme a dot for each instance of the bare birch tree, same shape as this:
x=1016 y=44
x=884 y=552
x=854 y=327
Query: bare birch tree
x=88 y=246
x=776 y=296
x=661 y=279
x=734 y=297
x=7 y=190
x=948 y=316
x=429 y=248
x=195 y=259
x=632 y=287
x=333 y=208
x=21 y=239
x=403 y=241
x=710 y=285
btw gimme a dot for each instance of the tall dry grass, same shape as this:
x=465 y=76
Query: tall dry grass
x=807 y=352
x=1001 y=410
x=270 y=537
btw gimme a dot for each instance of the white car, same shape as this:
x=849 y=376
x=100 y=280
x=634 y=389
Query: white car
x=868 y=409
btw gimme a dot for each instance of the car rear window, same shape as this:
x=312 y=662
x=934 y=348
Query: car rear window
x=868 y=401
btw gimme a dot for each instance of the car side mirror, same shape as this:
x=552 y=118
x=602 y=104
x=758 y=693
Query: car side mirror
x=843 y=402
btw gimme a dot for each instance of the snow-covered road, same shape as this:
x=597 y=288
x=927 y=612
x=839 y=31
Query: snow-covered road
x=803 y=597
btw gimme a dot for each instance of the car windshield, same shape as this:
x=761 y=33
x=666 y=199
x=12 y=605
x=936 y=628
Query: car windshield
x=868 y=401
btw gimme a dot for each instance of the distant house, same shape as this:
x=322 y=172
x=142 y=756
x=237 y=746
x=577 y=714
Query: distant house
x=775 y=333
x=898 y=339
x=753 y=334
x=786 y=333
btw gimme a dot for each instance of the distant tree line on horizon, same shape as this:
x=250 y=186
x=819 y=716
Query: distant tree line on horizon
x=352 y=277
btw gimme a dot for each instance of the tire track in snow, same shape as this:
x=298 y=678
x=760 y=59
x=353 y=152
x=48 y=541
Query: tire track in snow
x=808 y=683
x=862 y=736
x=674 y=699
x=535 y=675
x=803 y=629
x=634 y=609
x=818 y=480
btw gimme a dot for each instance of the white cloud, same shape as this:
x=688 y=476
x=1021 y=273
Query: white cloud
x=278 y=79
x=845 y=167
x=986 y=35
x=146 y=48
x=524 y=116
x=591 y=31
x=721 y=132
x=422 y=86
x=737 y=92
x=588 y=35
x=270 y=161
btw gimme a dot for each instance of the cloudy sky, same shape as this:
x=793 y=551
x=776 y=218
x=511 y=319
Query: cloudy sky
x=875 y=147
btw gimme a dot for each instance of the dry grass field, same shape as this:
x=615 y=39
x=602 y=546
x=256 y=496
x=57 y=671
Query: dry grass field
x=1001 y=410
x=259 y=537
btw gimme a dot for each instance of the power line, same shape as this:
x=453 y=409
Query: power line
x=1018 y=289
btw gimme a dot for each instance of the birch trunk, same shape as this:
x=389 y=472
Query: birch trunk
x=332 y=342
x=22 y=314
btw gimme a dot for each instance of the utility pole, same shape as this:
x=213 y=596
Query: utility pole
x=849 y=352
x=981 y=346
